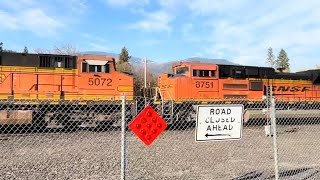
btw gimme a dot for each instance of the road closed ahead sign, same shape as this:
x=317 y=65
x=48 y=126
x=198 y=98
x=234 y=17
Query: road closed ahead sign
x=219 y=122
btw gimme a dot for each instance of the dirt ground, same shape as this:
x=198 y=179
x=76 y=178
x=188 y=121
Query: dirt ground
x=174 y=155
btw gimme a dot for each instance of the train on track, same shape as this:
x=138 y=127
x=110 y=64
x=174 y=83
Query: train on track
x=55 y=91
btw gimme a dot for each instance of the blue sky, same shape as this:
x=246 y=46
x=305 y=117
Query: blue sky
x=164 y=30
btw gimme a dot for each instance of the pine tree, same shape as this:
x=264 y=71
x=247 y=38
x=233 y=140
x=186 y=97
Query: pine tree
x=124 y=55
x=123 y=64
x=270 y=58
x=25 y=50
x=282 y=62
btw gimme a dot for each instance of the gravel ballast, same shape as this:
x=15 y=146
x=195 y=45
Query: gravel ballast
x=174 y=155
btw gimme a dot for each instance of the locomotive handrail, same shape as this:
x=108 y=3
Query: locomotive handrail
x=162 y=100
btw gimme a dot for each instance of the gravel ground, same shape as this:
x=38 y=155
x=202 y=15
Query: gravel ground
x=174 y=155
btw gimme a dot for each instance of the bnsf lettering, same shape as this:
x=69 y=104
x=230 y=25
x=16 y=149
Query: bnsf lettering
x=290 y=88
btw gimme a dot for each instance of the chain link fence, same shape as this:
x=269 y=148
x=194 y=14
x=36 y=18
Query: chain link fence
x=84 y=140
x=60 y=140
x=298 y=132
x=176 y=154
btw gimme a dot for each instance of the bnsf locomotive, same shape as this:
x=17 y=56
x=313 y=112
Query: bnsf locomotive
x=199 y=83
x=56 y=90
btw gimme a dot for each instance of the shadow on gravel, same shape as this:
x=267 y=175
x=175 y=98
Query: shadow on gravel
x=23 y=129
x=299 y=174
x=250 y=175
x=297 y=121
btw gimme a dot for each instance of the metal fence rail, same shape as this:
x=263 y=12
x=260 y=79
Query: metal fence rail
x=91 y=140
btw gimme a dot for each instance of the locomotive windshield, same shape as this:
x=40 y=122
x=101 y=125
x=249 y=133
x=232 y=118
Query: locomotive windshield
x=182 y=70
x=92 y=66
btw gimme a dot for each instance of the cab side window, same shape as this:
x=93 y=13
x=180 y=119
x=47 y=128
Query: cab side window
x=203 y=73
x=107 y=68
x=89 y=68
x=84 y=67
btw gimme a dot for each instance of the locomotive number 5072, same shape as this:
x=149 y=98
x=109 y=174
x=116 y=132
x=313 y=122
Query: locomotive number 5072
x=204 y=84
x=100 y=81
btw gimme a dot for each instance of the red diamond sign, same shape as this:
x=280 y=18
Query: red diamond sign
x=148 y=125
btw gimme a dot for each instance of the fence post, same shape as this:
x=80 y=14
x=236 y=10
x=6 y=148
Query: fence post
x=274 y=132
x=123 y=140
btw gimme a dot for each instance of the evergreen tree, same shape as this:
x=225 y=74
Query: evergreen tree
x=25 y=50
x=124 y=55
x=282 y=62
x=270 y=58
x=123 y=64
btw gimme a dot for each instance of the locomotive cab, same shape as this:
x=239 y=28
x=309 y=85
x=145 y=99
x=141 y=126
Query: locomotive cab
x=190 y=81
x=98 y=78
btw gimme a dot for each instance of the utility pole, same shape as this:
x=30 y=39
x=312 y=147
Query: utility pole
x=1 y=44
x=145 y=73
x=145 y=81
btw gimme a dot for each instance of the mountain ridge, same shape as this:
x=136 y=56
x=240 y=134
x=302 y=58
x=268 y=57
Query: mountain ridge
x=161 y=67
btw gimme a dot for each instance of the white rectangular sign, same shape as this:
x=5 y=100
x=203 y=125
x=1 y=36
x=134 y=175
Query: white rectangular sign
x=219 y=122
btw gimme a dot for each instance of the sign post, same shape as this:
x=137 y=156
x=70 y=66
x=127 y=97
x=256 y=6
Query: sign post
x=219 y=122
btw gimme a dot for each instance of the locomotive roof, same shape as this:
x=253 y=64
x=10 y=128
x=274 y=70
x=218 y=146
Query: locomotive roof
x=208 y=63
x=6 y=53
x=44 y=54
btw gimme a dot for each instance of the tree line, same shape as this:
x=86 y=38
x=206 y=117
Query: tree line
x=282 y=61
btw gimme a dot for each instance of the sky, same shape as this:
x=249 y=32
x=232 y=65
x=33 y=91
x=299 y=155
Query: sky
x=240 y=31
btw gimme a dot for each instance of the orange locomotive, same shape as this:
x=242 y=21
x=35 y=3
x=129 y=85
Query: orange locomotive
x=212 y=83
x=56 y=79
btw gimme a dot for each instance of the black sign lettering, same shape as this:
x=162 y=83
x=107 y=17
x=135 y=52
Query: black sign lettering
x=220 y=111
x=217 y=127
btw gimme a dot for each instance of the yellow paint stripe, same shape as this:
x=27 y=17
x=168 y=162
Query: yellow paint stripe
x=39 y=70
x=4 y=96
x=125 y=88
x=283 y=81
x=95 y=97
x=56 y=97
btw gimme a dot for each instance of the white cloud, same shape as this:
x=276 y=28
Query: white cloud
x=8 y=21
x=171 y=4
x=123 y=3
x=154 y=21
x=39 y=18
x=34 y=20
x=244 y=32
x=18 y=4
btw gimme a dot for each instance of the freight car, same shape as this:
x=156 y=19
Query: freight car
x=203 y=83
x=57 y=90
